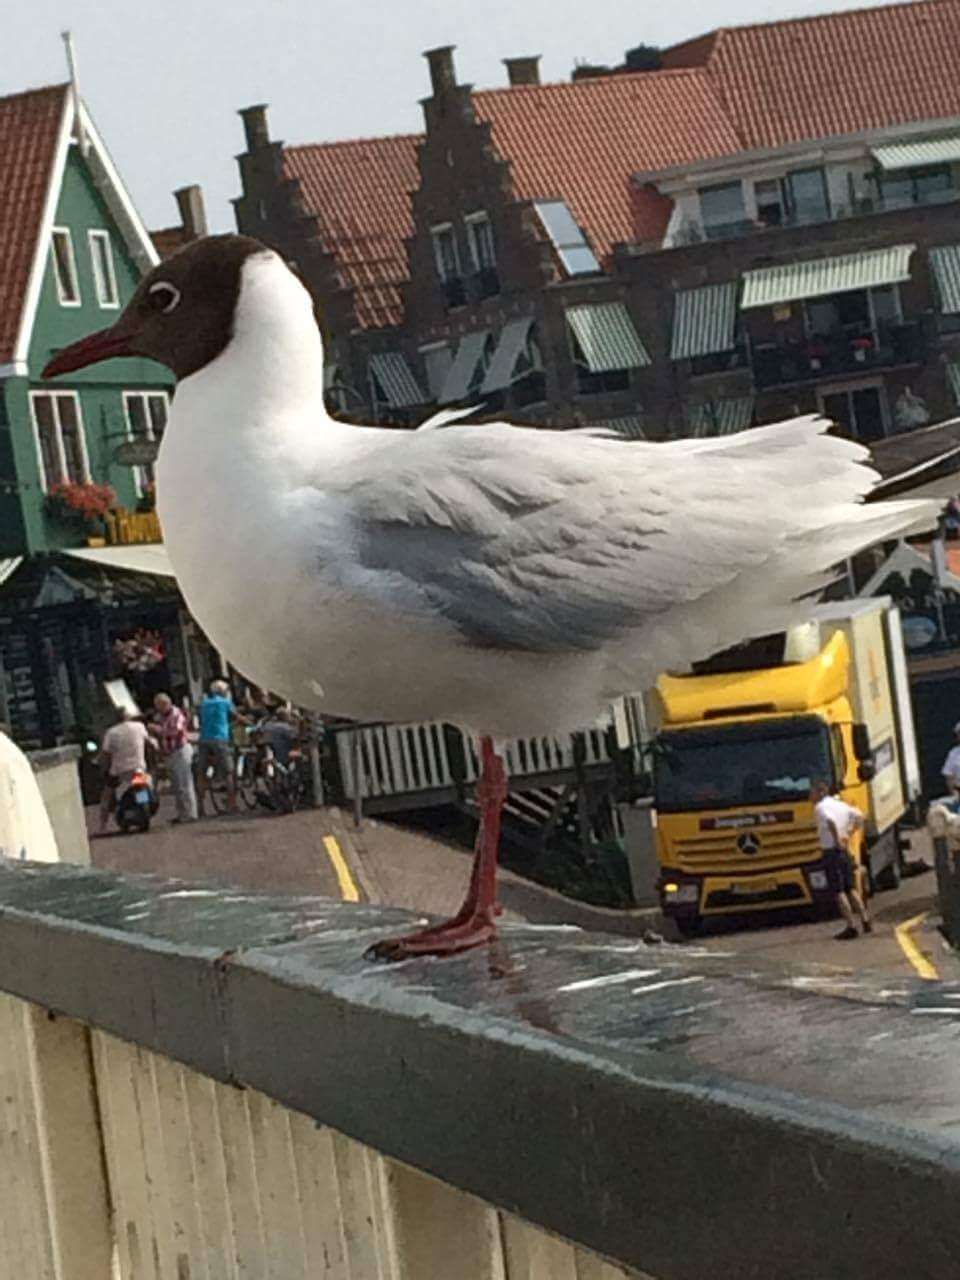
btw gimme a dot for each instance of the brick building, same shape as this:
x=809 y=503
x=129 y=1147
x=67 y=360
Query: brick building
x=764 y=222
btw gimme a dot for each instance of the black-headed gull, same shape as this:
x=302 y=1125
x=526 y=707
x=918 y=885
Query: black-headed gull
x=508 y=580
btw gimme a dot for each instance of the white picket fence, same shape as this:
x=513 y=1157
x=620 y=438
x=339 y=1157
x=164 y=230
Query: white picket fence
x=406 y=759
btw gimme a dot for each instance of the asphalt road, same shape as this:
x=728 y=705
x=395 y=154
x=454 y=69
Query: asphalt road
x=320 y=852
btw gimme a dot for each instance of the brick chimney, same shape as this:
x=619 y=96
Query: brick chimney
x=523 y=70
x=255 y=126
x=193 y=216
x=443 y=75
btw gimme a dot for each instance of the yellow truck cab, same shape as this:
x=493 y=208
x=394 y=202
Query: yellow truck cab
x=736 y=752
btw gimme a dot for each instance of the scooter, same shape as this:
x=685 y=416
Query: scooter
x=137 y=803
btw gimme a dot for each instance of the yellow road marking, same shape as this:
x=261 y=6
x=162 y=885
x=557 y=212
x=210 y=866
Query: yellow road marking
x=348 y=889
x=910 y=949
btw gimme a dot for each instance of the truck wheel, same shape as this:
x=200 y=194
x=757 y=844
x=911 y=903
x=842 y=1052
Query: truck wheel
x=689 y=926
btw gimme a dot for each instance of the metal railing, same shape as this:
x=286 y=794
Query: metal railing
x=837 y=353
x=393 y=760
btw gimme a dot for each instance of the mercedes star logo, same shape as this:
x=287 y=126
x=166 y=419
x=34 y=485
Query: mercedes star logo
x=748 y=843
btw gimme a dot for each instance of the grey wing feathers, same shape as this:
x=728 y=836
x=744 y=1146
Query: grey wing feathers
x=545 y=542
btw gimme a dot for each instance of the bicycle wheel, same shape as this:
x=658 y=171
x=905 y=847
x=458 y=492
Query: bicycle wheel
x=217 y=791
x=247 y=778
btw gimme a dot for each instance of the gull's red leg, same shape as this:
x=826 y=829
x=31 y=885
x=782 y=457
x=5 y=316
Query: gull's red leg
x=474 y=922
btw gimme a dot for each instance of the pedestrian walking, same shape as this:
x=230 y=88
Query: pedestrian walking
x=217 y=714
x=123 y=753
x=951 y=766
x=836 y=823
x=172 y=732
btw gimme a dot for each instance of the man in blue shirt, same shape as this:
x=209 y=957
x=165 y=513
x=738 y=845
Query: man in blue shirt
x=215 y=748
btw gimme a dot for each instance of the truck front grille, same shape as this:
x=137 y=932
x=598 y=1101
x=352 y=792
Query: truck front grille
x=718 y=851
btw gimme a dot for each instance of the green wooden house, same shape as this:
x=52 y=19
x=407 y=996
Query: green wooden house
x=72 y=249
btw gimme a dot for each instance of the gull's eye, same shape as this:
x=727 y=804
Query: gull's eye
x=163 y=296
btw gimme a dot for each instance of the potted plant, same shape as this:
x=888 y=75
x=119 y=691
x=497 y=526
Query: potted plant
x=816 y=353
x=83 y=505
x=860 y=346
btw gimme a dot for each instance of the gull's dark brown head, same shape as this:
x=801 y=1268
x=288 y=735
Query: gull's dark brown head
x=181 y=314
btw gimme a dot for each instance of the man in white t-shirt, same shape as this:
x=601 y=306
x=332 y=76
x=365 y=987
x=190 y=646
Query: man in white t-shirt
x=951 y=766
x=836 y=823
x=123 y=753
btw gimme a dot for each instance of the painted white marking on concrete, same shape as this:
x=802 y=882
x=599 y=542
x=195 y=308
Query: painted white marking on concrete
x=659 y=986
x=609 y=979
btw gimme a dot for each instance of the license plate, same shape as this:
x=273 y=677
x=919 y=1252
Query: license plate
x=750 y=888
x=142 y=796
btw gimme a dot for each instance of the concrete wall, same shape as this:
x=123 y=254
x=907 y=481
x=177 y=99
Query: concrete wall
x=58 y=777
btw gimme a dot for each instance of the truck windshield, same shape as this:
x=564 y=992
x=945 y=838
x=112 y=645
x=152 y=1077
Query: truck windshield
x=728 y=766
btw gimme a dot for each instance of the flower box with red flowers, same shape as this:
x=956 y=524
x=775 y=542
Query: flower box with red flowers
x=80 y=503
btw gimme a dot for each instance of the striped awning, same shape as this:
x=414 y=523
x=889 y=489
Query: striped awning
x=607 y=337
x=945 y=262
x=953 y=377
x=720 y=417
x=395 y=379
x=911 y=155
x=460 y=374
x=704 y=321
x=812 y=279
x=630 y=426
x=513 y=339
x=9 y=566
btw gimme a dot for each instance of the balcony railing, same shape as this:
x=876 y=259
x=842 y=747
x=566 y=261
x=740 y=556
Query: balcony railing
x=126 y=527
x=693 y=231
x=812 y=359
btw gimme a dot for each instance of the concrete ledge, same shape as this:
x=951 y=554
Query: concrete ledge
x=52 y=757
x=667 y=1108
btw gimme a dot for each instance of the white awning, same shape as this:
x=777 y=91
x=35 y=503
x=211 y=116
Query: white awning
x=704 y=321
x=396 y=380
x=9 y=566
x=911 y=155
x=460 y=374
x=953 y=377
x=945 y=262
x=146 y=557
x=513 y=339
x=607 y=337
x=812 y=279
x=721 y=417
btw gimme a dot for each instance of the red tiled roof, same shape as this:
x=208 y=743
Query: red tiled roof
x=29 y=128
x=581 y=141
x=168 y=240
x=360 y=194
x=835 y=74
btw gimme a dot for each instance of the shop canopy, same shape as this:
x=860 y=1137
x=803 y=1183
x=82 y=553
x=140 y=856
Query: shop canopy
x=915 y=155
x=147 y=557
x=512 y=342
x=607 y=337
x=704 y=321
x=395 y=379
x=9 y=566
x=794 y=281
x=945 y=261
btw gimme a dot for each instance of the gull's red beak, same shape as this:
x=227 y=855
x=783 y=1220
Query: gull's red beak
x=89 y=350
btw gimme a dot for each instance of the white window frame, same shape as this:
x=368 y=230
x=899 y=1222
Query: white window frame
x=472 y=221
x=46 y=482
x=436 y=230
x=65 y=302
x=142 y=477
x=107 y=293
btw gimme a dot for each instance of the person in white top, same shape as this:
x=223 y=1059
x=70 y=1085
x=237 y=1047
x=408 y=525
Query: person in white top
x=123 y=753
x=951 y=766
x=836 y=823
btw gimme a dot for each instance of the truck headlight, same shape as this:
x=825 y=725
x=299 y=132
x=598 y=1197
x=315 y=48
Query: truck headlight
x=682 y=892
x=818 y=879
